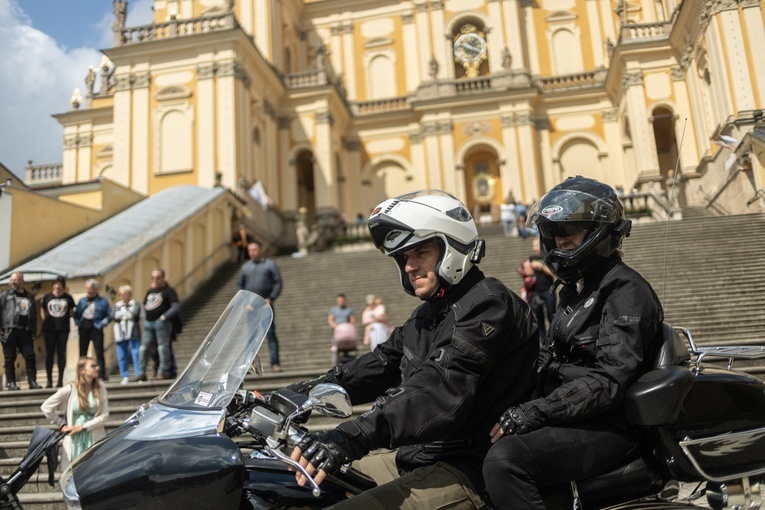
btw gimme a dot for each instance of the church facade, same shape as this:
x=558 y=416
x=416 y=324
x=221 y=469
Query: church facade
x=335 y=105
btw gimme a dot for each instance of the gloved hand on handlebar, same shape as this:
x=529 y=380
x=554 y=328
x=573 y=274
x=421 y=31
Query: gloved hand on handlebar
x=325 y=453
x=512 y=421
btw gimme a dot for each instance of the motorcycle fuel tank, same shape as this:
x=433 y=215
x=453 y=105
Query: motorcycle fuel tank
x=199 y=472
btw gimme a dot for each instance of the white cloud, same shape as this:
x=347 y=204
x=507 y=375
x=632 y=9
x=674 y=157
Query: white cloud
x=37 y=77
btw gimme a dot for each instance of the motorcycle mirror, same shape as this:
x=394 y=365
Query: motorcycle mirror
x=331 y=400
x=256 y=368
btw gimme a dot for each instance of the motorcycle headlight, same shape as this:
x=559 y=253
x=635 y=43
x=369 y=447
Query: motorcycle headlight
x=71 y=498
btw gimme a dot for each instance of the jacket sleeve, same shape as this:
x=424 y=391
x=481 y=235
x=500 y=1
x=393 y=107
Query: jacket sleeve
x=241 y=279
x=276 y=275
x=78 y=311
x=438 y=397
x=101 y=416
x=107 y=315
x=119 y=312
x=54 y=407
x=629 y=325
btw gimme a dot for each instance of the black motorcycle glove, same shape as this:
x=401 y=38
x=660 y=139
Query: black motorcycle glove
x=329 y=450
x=306 y=386
x=514 y=421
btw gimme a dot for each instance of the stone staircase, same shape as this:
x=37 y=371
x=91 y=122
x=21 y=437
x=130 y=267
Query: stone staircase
x=709 y=273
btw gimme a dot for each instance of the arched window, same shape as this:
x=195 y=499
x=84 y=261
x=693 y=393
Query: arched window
x=176 y=142
x=381 y=77
x=567 y=57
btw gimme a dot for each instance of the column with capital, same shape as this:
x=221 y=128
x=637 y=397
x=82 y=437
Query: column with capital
x=646 y=159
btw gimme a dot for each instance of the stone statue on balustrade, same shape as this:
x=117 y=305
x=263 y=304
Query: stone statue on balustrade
x=120 y=14
x=90 y=81
x=307 y=240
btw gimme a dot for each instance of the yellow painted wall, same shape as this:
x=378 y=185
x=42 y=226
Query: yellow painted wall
x=55 y=220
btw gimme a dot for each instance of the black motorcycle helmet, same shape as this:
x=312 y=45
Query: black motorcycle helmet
x=577 y=204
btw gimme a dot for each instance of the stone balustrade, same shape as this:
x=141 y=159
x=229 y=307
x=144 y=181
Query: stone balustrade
x=643 y=31
x=576 y=81
x=174 y=28
x=39 y=175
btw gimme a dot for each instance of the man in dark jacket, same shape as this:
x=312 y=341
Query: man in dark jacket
x=18 y=324
x=605 y=334
x=465 y=354
x=261 y=275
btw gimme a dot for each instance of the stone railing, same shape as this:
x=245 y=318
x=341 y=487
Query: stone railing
x=174 y=28
x=391 y=104
x=576 y=81
x=643 y=31
x=306 y=79
x=504 y=81
x=40 y=175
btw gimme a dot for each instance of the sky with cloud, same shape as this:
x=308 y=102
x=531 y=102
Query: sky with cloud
x=46 y=47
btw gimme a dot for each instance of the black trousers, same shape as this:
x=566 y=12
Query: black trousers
x=19 y=340
x=55 y=344
x=516 y=467
x=90 y=333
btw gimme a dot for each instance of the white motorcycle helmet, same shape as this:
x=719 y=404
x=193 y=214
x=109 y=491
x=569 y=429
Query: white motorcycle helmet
x=399 y=224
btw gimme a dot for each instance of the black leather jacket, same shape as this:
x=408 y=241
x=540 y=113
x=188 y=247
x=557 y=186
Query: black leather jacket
x=600 y=342
x=9 y=313
x=441 y=380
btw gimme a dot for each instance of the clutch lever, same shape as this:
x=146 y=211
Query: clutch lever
x=315 y=490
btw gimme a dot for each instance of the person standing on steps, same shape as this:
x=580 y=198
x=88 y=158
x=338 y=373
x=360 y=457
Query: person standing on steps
x=92 y=314
x=261 y=275
x=160 y=307
x=56 y=310
x=18 y=324
x=127 y=332
x=341 y=313
x=80 y=410
x=440 y=380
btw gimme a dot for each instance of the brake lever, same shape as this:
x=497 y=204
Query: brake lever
x=316 y=491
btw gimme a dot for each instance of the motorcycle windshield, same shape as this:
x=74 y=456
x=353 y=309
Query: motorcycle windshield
x=218 y=368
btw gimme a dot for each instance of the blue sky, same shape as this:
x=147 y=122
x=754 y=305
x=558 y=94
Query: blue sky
x=46 y=47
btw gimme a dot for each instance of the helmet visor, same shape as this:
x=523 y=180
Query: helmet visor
x=573 y=206
x=551 y=230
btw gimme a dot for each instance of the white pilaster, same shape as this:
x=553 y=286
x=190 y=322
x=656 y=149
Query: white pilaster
x=140 y=166
x=123 y=131
x=206 y=125
x=262 y=32
x=336 y=51
x=448 y=165
x=613 y=139
x=440 y=44
x=349 y=57
x=596 y=37
x=495 y=36
x=287 y=189
x=510 y=172
x=432 y=155
x=246 y=16
x=324 y=167
x=226 y=121
x=737 y=62
x=607 y=20
x=526 y=144
x=684 y=132
x=411 y=60
x=423 y=39
x=647 y=162
x=514 y=33
x=531 y=38
x=755 y=30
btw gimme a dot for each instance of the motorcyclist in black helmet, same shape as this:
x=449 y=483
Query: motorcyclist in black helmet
x=438 y=383
x=604 y=335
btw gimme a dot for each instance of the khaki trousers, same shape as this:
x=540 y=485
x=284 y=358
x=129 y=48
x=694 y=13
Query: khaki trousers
x=439 y=486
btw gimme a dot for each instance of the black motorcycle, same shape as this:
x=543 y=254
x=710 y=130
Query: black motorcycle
x=208 y=443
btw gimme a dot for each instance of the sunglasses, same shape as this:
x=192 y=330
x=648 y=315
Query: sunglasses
x=551 y=230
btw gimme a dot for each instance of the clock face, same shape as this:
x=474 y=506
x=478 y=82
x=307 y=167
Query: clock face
x=469 y=47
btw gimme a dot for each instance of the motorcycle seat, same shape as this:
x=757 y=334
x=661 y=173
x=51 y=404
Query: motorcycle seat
x=634 y=479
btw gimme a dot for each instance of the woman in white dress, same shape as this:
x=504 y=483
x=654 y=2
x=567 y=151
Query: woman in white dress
x=380 y=328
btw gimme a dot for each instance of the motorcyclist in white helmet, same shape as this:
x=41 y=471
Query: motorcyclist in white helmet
x=441 y=379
